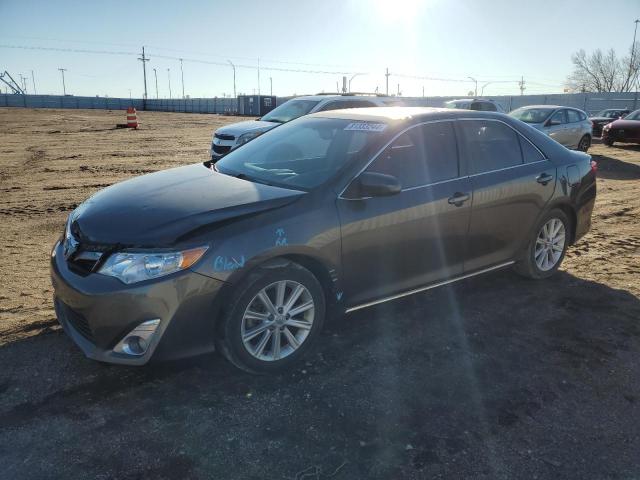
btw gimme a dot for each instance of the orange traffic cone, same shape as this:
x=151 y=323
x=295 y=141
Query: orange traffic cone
x=132 y=118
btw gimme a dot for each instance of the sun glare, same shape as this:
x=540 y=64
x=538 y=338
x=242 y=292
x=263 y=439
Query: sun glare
x=398 y=11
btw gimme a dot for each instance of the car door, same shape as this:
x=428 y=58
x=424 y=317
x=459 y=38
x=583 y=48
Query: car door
x=418 y=236
x=556 y=127
x=574 y=129
x=511 y=182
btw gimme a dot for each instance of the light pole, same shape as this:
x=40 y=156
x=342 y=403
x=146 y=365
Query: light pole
x=476 y=82
x=64 y=88
x=633 y=47
x=169 y=78
x=182 y=74
x=155 y=74
x=271 y=86
x=482 y=89
x=234 y=76
x=352 y=77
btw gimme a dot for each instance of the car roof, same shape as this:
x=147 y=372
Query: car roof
x=402 y=114
x=336 y=97
x=472 y=100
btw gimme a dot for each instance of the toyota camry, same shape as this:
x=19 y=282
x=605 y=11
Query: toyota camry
x=330 y=213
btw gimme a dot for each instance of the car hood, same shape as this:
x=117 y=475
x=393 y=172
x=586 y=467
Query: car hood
x=625 y=124
x=164 y=207
x=237 y=129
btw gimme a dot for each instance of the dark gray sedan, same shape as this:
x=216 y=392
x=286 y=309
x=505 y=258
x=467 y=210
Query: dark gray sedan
x=327 y=214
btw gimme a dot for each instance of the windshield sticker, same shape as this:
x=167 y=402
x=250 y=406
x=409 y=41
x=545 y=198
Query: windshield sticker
x=366 y=127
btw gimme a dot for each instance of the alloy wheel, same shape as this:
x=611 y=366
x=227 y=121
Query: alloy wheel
x=550 y=244
x=278 y=320
x=584 y=144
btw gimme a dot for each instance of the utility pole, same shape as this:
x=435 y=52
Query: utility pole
x=271 y=86
x=144 y=61
x=476 y=82
x=22 y=84
x=169 y=78
x=155 y=74
x=633 y=51
x=398 y=94
x=521 y=84
x=258 y=76
x=234 y=76
x=182 y=74
x=423 y=91
x=387 y=75
x=33 y=80
x=64 y=88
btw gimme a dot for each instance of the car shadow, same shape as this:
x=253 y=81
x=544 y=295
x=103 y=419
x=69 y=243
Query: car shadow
x=474 y=371
x=614 y=169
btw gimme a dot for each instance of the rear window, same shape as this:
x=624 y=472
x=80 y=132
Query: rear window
x=489 y=145
x=573 y=116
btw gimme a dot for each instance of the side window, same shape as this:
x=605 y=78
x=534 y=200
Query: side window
x=558 y=118
x=483 y=106
x=583 y=116
x=529 y=152
x=423 y=155
x=489 y=145
x=573 y=116
x=329 y=106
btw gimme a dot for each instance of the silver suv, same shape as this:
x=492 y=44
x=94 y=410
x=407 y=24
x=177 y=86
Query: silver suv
x=232 y=136
x=568 y=126
x=479 y=104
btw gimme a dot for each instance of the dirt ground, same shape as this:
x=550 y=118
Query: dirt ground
x=495 y=377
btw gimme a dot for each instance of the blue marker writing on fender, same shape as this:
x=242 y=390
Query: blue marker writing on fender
x=281 y=239
x=222 y=264
x=339 y=296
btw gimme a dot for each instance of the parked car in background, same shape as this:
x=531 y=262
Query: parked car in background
x=232 y=136
x=625 y=130
x=604 y=117
x=568 y=126
x=330 y=213
x=479 y=104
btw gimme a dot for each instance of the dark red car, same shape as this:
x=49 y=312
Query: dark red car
x=625 y=130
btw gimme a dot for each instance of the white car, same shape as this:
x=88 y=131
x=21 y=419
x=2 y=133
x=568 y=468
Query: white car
x=232 y=136
x=481 y=104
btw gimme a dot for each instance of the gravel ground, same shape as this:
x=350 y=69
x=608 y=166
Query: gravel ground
x=495 y=377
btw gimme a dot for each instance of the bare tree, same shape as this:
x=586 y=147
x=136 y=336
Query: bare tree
x=604 y=72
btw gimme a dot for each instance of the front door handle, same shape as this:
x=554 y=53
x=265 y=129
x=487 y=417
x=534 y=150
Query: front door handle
x=544 y=178
x=458 y=199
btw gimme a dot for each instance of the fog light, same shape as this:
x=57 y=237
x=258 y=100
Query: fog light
x=137 y=341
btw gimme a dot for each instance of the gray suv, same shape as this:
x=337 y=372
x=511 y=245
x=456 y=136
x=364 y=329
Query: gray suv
x=568 y=126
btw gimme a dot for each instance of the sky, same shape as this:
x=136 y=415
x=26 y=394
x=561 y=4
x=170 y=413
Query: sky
x=496 y=42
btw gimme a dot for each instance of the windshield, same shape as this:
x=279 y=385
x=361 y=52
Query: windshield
x=462 y=105
x=532 y=115
x=633 y=115
x=302 y=154
x=290 y=111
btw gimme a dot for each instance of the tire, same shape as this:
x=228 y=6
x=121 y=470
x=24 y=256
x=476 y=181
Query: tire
x=249 y=314
x=608 y=142
x=584 y=143
x=533 y=263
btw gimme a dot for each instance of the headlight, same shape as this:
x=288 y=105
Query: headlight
x=132 y=267
x=244 y=138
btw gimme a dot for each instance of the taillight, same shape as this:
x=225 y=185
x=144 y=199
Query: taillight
x=594 y=166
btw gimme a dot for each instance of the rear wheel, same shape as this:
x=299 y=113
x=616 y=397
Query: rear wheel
x=274 y=318
x=585 y=143
x=547 y=248
x=608 y=142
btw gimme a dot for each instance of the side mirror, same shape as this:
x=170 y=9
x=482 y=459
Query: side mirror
x=372 y=184
x=551 y=122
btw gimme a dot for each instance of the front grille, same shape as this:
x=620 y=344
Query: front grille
x=76 y=320
x=224 y=136
x=221 y=149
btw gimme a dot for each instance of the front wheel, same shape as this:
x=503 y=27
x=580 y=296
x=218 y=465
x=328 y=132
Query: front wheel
x=547 y=248
x=274 y=317
x=608 y=142
x=585 y=143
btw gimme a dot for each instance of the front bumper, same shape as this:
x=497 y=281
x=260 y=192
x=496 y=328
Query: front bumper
x=97 y=311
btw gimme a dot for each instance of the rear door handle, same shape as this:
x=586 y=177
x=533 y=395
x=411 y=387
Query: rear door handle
x=544 y=178
x=458 y=199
